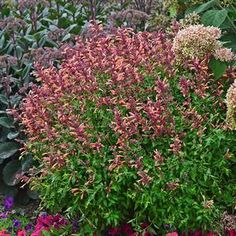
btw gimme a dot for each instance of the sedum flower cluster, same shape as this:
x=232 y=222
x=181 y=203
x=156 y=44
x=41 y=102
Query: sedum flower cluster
x=190 y=19
x=231 y=106
x=224 y=54
x=196 y=41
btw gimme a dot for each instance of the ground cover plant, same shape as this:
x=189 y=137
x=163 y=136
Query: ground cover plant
x=132 y=129
x=14 y=221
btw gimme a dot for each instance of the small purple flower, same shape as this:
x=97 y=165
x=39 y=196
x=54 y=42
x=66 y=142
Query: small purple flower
x=167 y=226
x=16 y=223
x=75 y=225
x=28 y=227
x=3 y=215
x=8 y=203
x=43 y=214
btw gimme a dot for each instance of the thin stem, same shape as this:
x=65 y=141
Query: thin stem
x=229 y=19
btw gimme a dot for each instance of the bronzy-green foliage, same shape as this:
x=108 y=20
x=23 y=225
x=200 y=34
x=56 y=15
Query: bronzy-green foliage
x=124 y=133
x=31 y=30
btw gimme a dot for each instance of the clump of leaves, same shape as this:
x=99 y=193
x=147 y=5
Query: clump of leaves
x=124 y=133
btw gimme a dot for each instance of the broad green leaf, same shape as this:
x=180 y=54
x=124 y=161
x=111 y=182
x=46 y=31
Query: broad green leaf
x=15 y=100
x=33 y=194
x=7 y=190
x=217 y=67
x=12 y=135
x=29 y=38
x=3 y=99
x=205 y=6
x=10 y=172
x=6 y=122
x=226 y=24
x=214 y=17
x=230 y=40
x=8 y=149
x=26 y=162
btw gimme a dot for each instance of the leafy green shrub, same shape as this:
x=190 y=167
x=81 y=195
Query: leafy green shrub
x=123 y=133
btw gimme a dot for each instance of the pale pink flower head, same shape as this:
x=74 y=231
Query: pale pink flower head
x=224 y=54
x=231 y=106
x=196 y=41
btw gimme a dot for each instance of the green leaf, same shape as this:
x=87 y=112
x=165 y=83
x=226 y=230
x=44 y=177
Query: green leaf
x=2 y=41
x=6 y=122
x=214 y=17
x=173 y=11
x=5 y=11
x=71 y=27
x=29 y=38
x=26 y=162
x=15 y=100
x=52 y=43
x=7 y=190
x=42 y=41
x=19 y=51
x=32 y=194
x=3 y=99
x=8 y=149
x=10 y=172
x=205 y=6
x=217 y=67
x=12 y=135
x=26 y=71
x=64 y=22
x=66 y=37
x=230 y=40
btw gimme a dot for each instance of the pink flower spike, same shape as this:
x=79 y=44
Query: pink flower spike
x=231 y=232
x=172 y=234
x=21 y=233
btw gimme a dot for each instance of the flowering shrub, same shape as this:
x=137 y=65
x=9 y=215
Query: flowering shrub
x=125 y=134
